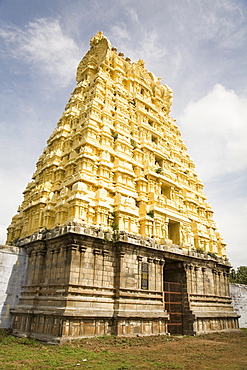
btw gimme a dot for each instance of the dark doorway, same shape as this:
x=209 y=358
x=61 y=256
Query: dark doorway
x=174 y=277
x=173 y=306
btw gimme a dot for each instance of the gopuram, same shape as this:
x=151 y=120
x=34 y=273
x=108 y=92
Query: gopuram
x=118 y=232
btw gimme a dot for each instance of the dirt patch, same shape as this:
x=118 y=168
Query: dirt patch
x=209 y=351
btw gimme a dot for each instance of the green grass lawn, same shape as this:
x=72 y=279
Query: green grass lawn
x=211 y=351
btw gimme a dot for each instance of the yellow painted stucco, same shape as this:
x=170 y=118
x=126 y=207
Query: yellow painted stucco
x=117 y=160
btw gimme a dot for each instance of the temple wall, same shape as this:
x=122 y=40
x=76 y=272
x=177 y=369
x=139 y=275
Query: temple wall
x=79 y=286
x=209 y=298
x=81 y=282
x=12 y=269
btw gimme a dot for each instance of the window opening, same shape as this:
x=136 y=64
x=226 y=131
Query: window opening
x=144 y=275
x=166 y=191
x=154 y=139
x=174 y=231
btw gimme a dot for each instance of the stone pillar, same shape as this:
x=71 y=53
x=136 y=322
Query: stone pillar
x=189 y=278
x=161 y=272
x=30 y=265
x=195 y=290
x=82 y=251
x=224 y=285
x=96 y=265
x=219 y=284
x=139 y=258
x=118 y=282
x=72 y=263
x=121 y=257
x=203 y=280
x=53 y=257
x=227 y=285
x=166 y=224
x=56 y=263
x=105 y=254
x=151 y=275
x=215 y=281
x=41 y=252
x=158 y=272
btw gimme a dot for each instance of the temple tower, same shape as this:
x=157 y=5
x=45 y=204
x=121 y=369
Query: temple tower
x=115 y=198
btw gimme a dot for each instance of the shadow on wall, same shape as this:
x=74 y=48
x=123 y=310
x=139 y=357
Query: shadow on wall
x=12 y=271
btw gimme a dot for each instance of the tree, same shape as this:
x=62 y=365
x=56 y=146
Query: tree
x=239 y=276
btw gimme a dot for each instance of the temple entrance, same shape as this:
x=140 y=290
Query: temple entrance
x=174 y=278
x=173 y=306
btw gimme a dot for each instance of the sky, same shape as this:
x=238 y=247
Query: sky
x=197 y=47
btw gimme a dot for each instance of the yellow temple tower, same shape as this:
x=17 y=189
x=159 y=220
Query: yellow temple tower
x=117 y=160
x=116 y=176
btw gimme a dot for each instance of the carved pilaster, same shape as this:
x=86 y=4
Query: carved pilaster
x=139 y=259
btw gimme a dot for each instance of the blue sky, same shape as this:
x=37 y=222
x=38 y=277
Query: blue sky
x=197 y=47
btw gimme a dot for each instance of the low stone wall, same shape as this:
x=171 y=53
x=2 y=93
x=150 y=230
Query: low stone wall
x=239 y=302
x=12 y=269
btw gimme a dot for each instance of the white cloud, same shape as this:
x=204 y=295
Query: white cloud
x=221 y=21
x=131 y=12
x=215 y=129
x=119 y=32
x=148 y=46
x=3 y=234
x=43 y=45
x=151 y=47
x=12 y=183
x=232 y=222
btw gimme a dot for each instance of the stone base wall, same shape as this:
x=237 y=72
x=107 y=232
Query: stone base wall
x=204 y=325
x=78 y=286
x=81 y=285
x=58 y=329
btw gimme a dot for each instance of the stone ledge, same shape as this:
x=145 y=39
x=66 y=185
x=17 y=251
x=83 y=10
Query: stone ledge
x=216 y=315
x=110 y=236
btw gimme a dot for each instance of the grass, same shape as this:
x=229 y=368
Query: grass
x=210 y=351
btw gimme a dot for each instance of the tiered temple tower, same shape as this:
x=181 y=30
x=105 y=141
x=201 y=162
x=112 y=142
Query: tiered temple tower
x=116 y=207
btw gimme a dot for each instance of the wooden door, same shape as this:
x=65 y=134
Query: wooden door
x=173 y=305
